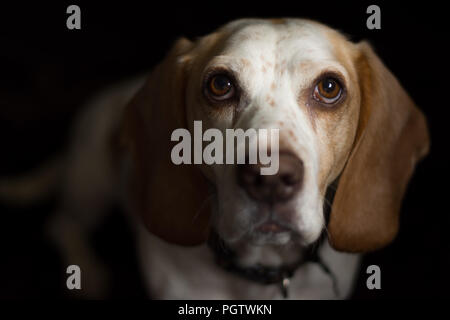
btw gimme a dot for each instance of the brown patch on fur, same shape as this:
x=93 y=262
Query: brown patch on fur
x=312 y=116
x=245 y=62
x=270 y=101
x=244 y=37
x=292 y=135
x=277 y=21
x=303 y=65
x=341 y=52
x=391 y=133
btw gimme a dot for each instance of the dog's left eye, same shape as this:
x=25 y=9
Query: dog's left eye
x=220 y=87
x=328 y=90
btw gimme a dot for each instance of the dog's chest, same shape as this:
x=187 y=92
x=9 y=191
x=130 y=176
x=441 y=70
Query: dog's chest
x=174 y=272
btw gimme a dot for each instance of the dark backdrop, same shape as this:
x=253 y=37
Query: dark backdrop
x=47 y=72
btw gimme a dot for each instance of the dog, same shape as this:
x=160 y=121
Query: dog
x=349 y=140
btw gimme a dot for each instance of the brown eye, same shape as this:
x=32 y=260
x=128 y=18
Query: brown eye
x=328 y=90
x=220 y=87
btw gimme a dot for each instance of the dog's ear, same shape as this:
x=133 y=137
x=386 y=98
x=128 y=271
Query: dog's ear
x=392 y=136
x=171 y=199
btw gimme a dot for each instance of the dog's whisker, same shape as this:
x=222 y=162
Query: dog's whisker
x=202 y=206
x=326 y=202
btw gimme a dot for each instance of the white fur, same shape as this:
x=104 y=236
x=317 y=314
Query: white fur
x=175 y=272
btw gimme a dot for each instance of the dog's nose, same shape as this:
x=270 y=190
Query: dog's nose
x=279 y=187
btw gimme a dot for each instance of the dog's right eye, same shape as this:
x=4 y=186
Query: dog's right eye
x=220 y=87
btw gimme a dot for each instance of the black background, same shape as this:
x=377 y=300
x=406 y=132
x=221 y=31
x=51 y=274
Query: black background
x=47 y=72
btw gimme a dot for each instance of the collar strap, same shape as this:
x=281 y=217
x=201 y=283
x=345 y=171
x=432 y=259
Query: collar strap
x=226 y=259
x=266 y=275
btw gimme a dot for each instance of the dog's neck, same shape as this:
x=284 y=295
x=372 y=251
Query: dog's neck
x=272 y=264
x=267 y=264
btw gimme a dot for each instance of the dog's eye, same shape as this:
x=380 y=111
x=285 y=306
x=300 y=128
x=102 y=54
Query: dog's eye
x=328 y=90
x=220 y=87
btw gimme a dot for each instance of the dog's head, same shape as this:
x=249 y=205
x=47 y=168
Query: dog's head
x=339 y=112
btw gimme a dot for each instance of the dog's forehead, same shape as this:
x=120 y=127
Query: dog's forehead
x=290 y=39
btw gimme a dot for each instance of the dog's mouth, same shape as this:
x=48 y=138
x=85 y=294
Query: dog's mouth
x=271 y=227
x=271 y=232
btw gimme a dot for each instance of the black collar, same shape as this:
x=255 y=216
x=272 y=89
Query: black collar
x=226 y=258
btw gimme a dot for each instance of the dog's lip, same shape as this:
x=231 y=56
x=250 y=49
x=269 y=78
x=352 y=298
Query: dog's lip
x=271 y=227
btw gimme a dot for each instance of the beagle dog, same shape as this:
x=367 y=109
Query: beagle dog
x=349 y=139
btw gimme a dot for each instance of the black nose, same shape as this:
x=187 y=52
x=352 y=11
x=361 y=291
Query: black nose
x=279 y=187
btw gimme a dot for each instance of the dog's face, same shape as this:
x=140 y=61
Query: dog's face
x=286 y=76
x=339 y=112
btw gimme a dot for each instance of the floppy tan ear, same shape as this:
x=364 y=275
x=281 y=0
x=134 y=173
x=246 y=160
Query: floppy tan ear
x=170 y=199
x=392 y=136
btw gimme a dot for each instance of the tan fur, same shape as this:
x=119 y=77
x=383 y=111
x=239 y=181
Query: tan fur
x=176 y=212
x=392 y=137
